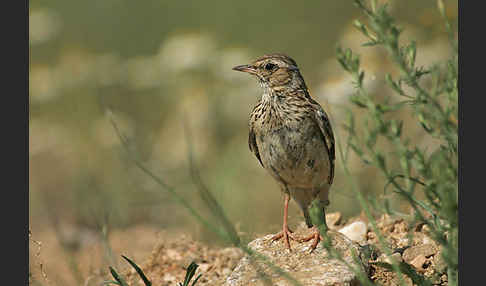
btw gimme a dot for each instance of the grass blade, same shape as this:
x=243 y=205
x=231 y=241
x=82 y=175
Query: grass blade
x=197 y=278
x=139 y=271
x=191 y=270
x=117 y=277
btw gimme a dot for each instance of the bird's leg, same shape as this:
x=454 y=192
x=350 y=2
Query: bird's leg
x=286 y=233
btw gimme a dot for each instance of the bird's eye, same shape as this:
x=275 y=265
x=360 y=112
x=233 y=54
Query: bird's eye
x=270 y=66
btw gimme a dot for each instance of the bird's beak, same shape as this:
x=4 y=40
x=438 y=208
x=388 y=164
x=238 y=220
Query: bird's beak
x=246 y=68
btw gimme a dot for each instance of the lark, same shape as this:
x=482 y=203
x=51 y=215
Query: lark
x=291 y=136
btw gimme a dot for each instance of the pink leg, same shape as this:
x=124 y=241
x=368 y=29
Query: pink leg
x=286 y=233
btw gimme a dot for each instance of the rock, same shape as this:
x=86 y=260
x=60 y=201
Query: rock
x=425 y=229
x=394 y=258
x=418 y=262
x=355 y=231
x=412 y=252
x=315 y=268
x=333 y=219
x=427 y=240
x=385 y=221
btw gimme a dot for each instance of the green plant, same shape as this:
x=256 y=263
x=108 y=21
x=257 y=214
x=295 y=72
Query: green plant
x=191 y=270
x=119 y=280
x=431 y=95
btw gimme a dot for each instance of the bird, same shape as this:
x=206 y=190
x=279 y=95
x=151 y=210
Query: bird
x=291 y=136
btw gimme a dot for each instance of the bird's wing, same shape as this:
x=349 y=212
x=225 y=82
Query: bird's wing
x=253 y=146
x=322 y=120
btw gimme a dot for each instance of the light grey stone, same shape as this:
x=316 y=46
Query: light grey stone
x=355 y=231
x=316 y=268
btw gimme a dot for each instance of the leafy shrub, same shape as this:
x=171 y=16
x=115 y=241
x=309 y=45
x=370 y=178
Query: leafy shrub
x=431 y=95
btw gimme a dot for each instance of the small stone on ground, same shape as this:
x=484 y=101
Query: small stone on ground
x=355 y=231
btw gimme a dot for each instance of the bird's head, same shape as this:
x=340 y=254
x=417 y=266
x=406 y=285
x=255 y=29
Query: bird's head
x=275 y=71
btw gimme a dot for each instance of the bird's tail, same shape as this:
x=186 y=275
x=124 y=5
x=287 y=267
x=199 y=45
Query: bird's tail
x=308 y=220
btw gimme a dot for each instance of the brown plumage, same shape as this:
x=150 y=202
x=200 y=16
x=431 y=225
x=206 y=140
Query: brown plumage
x=291 y=136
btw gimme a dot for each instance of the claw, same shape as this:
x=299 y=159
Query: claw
x=316 y=236
x=286 y=233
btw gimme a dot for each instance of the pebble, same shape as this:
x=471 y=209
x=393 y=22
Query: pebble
x=394 y=258
x=427 y=240
x=355 y=231
x=412 y=252
x=333 y=219
x=418 y=262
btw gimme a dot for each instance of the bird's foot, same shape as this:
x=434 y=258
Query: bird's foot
x=286 y=234
x=315 y=235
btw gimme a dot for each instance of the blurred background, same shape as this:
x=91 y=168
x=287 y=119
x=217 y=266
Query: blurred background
x=158 y=65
